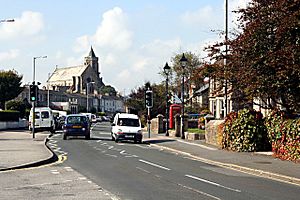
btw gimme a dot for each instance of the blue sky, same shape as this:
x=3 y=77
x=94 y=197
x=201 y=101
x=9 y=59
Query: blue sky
x=132 y=38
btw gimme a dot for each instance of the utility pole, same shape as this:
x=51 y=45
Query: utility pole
x=225 y=60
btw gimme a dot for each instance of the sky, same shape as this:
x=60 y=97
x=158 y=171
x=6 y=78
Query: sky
x=132 y=38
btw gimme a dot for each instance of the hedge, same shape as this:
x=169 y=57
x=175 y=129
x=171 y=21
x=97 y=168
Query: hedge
x=9 y=115
x=284 y=135
x=245 y=132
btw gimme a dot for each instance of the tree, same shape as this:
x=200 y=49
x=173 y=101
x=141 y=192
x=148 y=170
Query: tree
x=107 y=89
x=136 y=100
x=10 y=83
x=19 y=105
x=264 y=59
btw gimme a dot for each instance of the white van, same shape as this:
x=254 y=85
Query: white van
x=44 y=120
x=126 y=127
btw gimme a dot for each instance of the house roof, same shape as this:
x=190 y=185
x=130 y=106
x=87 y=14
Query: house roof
x=66 y=73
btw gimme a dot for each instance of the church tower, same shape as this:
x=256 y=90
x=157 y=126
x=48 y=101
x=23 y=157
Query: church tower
x=92 y=60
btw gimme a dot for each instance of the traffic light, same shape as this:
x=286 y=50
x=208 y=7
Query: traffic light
x=149 y=99
x=33 y=92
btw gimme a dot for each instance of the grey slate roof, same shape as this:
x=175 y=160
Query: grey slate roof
x=66 y=73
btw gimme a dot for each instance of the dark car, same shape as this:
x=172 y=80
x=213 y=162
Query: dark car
x=76 y=125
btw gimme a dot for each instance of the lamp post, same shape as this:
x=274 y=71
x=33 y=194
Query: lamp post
x=183 y=63
x=167 y=70
x=87 y=95
x=33 y=103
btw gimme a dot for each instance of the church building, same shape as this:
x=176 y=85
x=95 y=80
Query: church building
x=78 y=79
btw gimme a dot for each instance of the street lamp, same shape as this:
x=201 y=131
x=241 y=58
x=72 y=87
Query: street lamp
x=87 y=95
x=167 y=70
x=183 y=63
x=33 y=103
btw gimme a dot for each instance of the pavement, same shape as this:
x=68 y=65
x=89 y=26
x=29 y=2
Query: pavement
x=19 y=150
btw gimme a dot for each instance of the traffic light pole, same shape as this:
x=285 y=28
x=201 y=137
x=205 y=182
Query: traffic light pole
x=149 y=105
x=33 y=119
x=149 y=123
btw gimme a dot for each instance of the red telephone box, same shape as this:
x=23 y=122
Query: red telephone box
x=174 y=109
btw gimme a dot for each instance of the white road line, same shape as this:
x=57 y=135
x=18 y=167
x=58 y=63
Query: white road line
x=143 y=170
x=111 y=155
x=212 y=183
x=199 y=145
x=131 y=156
x=55 y=172
x=200 y=192
x=123 y=152
x=155 y=165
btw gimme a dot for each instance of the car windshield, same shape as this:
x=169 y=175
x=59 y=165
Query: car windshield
x=128 y=122
x=76 y=120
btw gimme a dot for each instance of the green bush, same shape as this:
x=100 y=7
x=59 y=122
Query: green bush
x=284 y=135
x=245 y=132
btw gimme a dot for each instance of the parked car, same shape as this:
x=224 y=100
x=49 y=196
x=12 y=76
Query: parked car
x=76 y=125
x=126 y=127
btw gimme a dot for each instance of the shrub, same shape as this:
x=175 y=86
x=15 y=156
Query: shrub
x=9 y=115
x=284 y=134
x=245 y=131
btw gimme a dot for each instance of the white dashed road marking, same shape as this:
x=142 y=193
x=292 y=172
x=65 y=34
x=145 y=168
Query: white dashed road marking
x=154 y=165
x=212 y=183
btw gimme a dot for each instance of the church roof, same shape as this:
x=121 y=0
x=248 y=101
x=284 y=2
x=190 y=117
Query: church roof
x=66 y=73
x=92 y=54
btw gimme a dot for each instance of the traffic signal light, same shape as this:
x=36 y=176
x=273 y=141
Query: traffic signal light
x=149 y=99
x=33 y=92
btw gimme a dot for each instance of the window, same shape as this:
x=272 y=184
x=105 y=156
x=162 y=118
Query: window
x=45 y=114
x=128 y=122
x=37 y=115
x=76 y=119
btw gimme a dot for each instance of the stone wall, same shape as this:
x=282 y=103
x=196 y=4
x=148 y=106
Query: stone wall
x=14 y=125
x=211 y=132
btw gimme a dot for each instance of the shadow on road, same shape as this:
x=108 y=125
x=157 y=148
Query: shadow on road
x=155 y=141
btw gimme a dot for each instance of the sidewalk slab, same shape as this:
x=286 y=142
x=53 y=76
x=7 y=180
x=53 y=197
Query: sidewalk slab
x=19 y=148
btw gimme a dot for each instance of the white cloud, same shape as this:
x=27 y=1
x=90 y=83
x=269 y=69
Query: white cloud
x=30 y=23
x=113 y=31
x=11 y=54
x=82 y=43
x=160 y=47
x=200 y=16
x=140 y=64
x=235 y=5
x=110 y=59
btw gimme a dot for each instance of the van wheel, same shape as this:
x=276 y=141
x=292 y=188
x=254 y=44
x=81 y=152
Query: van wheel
x=116 y=140
x=64 y=137
x=87 y=137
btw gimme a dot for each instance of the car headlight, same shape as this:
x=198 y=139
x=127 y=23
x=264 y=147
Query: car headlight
x=83 y=129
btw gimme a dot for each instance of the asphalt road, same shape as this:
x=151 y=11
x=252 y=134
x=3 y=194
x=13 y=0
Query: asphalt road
x=139 y=171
